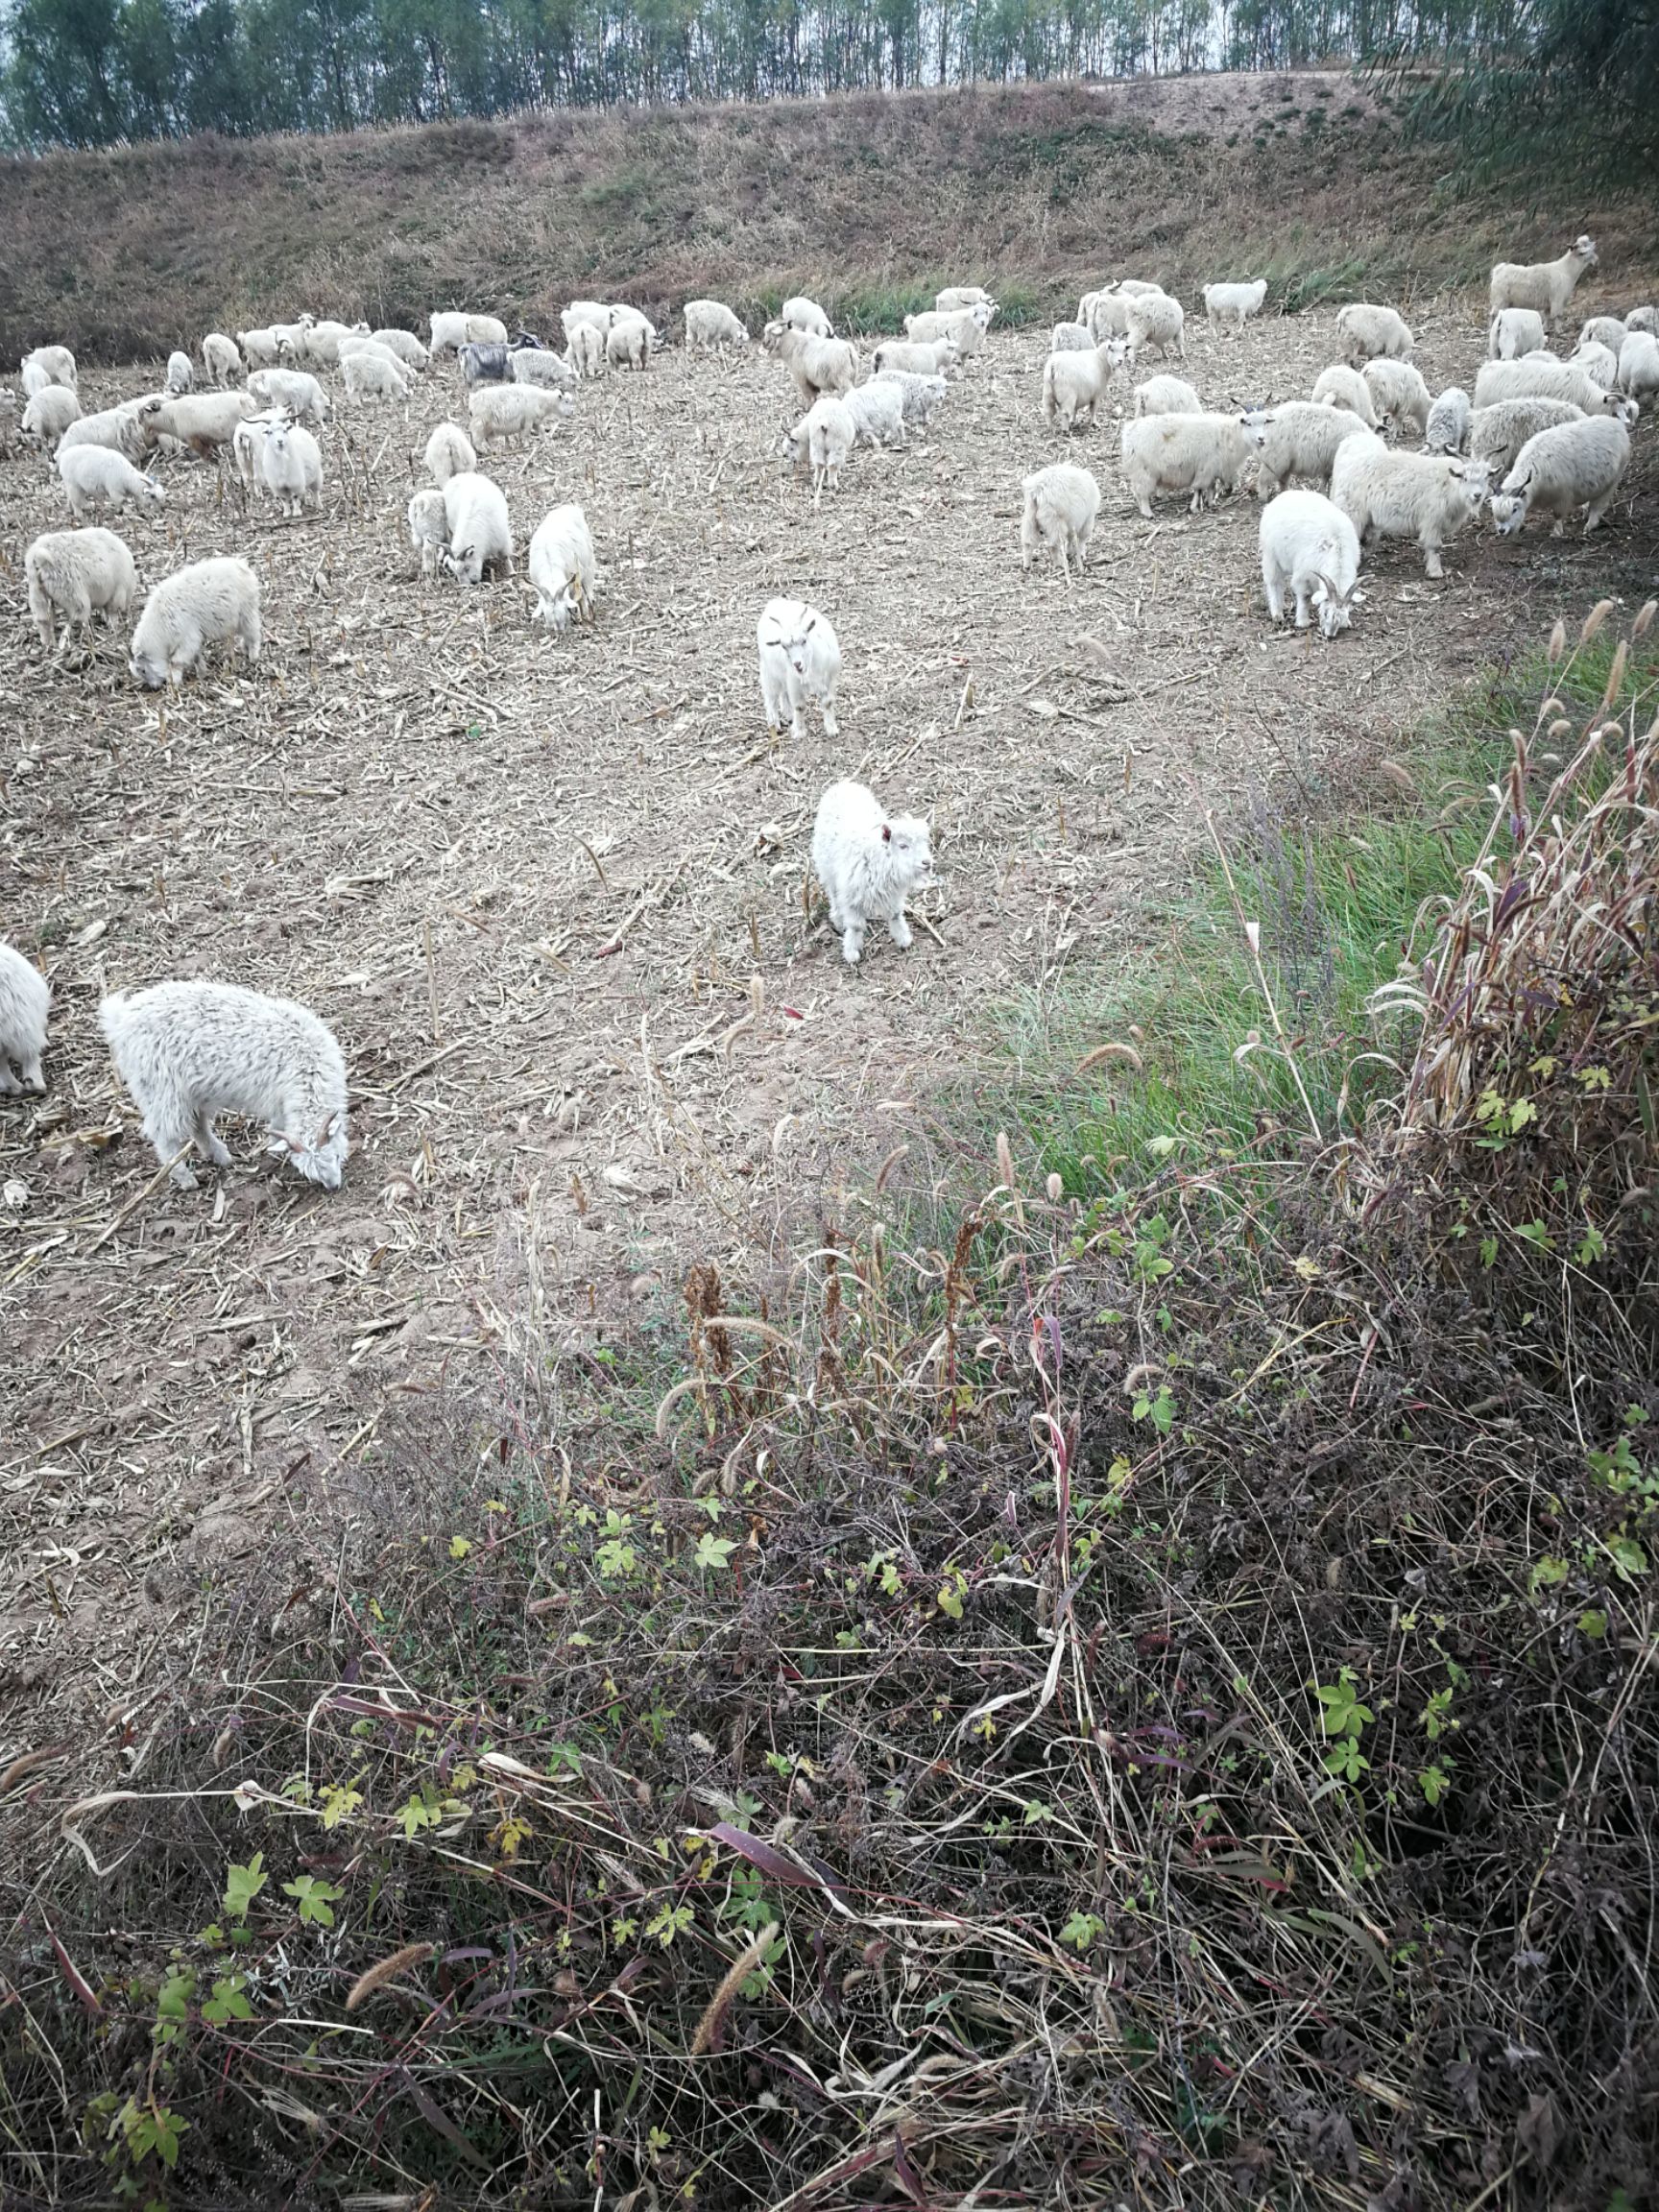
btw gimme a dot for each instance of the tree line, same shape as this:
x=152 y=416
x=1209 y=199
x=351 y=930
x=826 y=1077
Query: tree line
x=97 y=72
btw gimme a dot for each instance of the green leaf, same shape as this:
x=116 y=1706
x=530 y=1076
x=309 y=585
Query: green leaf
x=1546 y=1572
x=313 y=1898
x=339 y=1803
x=1592 y=1624
x=713 y=1552
x=1627 y=1556
x=242 y=1885
x=673 y=1920
x=227 y=2002
x=1082 y=1930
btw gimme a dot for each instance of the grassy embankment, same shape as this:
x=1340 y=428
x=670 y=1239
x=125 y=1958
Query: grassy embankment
x=870 y=202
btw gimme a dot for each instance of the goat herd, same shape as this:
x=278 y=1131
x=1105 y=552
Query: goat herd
x=1540 y=433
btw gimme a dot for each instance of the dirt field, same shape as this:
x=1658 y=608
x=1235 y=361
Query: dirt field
x=550 y=894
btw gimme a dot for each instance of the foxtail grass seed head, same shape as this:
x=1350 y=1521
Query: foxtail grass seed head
x=1557 y=640
x=1594 y=619
x=1126 y=1054
x=388 y=1970
x=1004 y=1159
x=1560 y=730
x=1615 y=674
x=1644 y=621
x=1056 y=1189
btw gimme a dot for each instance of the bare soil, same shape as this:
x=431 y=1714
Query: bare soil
x=551 y=894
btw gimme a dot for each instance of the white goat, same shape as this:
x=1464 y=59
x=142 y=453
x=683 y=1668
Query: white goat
x=404 y=344
x=24 y=999
x=920 y=394
x=877 y=412
x=1060 y=504
x=560 y=566
x=1152 y=318
x=180 y=372
x=1195 y=453
x=1341 y=386
x=49 y=413
x=1557 y=471
x=259 y=348
x=205 y=421
x=1370 y=332
x=1639 y=365
x=75 y=574
x=188 y=1051
x=956 y=296
x=49 y=365
x=499 y=412
x=372 y=372
x=1297 y=438
x=1514 y=331
x=824 y=438
x=800 y=662
x=1167 y=395
x=540 y=366
x=295 y=390
x=820 y=364
x=869 y=862
x=1447 y=429
x=1602 y=330
x=628 y=343
x=915 y=357
x=1497 y=433
x=130 y=429
x=429 y=528
x=804 y=314
x=480 y=529
x=1599 y=362
x=1398 y=392
x=1420 y=495
x=98 y=480
x=1230 y=307
x=1548 y=380
x=1070 y=338
x=221 y=358
x=451 y=330
x=1073 y=384
x=710 y=327
x=206 y=604
x=449 y=452
x=1309 y=548
x=586 y=349
x=1544 y=285
x=291 y=466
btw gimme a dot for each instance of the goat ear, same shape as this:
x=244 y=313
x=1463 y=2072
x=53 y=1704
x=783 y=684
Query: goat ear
x=810 y=627
x=886 y=833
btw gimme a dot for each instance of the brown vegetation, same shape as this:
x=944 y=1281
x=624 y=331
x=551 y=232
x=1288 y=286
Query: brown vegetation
x=864 y=198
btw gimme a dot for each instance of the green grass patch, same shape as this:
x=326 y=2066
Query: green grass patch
x=1242 y=1053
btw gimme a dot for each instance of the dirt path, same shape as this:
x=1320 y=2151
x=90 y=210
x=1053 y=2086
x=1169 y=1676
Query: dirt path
x=550 y=894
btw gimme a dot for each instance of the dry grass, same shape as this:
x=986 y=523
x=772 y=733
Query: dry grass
x=963 y=1830
x=870 y=200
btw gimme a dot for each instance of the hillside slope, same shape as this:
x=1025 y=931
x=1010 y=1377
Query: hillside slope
x=864 y=198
